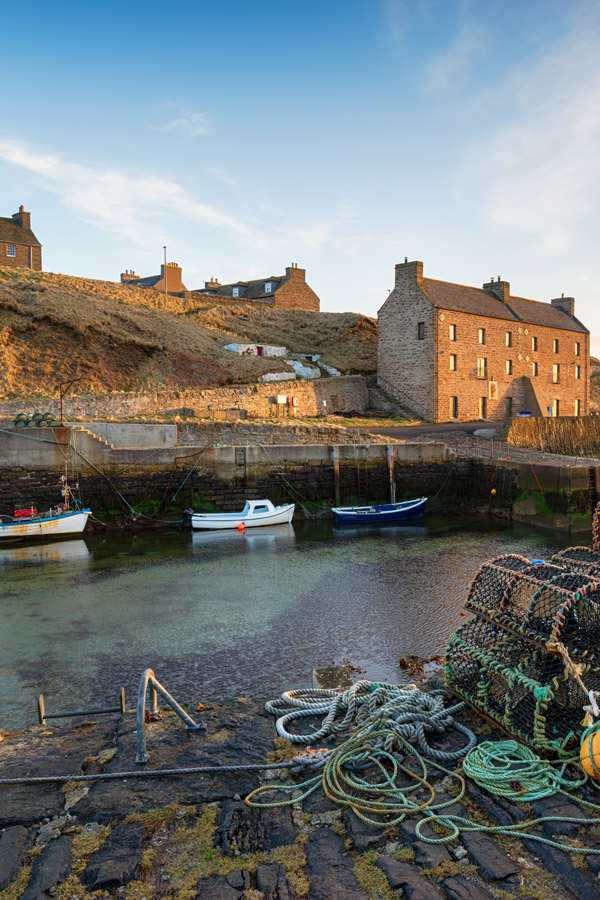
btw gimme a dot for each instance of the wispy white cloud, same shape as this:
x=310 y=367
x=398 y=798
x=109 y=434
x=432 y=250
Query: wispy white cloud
x=452 y=64
x=537 y=172
x=193 y=124
x=117 y=201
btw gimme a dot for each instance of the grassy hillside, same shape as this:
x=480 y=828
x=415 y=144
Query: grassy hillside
x=115 y=338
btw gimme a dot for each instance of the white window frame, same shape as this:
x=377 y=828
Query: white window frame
x=534 y=344
x=11 y=250
x=235 y=292
x=268 y=287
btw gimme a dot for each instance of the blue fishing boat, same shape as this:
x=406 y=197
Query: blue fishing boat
x=388 y=512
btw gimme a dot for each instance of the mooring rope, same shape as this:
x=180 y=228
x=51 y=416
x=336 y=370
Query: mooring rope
x=404 y=710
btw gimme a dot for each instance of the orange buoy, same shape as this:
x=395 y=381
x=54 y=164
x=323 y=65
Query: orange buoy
x=590 y=754
x=241 y=527
x=493 y=491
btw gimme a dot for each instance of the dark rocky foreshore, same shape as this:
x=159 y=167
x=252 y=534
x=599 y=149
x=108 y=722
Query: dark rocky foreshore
x=192 y=836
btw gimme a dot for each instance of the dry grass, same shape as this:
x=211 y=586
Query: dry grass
x=114 y=338
x=566 y=435
x=347 y=341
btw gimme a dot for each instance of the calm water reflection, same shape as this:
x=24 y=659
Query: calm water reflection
x=225 y=614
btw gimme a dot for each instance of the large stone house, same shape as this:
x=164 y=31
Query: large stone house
x=170 y=275
x=18 y=244
x=452 y=352
x=289 y=291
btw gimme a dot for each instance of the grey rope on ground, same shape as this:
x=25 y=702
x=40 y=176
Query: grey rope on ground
x=404 y=710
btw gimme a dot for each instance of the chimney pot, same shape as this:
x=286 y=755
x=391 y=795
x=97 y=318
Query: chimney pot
x=406 y=259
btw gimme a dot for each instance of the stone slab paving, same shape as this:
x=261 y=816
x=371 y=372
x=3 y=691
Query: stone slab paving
x=187 y=836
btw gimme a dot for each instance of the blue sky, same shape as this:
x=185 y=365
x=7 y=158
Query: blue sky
x=342 y=136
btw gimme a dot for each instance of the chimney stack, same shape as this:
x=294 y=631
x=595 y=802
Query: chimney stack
x=500 y=288
x=22 y=218
x=409 y=272
x=567 y=304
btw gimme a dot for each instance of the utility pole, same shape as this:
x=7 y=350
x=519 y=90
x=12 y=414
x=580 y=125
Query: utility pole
x=165 y=249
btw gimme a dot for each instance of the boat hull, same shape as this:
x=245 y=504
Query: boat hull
x=391 y=512
x=52 y=526
x=280 y=515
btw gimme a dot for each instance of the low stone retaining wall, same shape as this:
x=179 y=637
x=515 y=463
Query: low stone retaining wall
x=315 y=398
x=238 y=433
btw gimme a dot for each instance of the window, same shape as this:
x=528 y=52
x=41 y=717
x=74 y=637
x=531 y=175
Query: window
x=509 y=338
x=555 y=407
x=452 y=329
x=534 y=343
x=482 y=407
x=578 y=407
x=556 y=374
x=577 y=371
x=235 y=292
x=509 y=406
x=11 y=250
x=577 y=348
x=453 y=362
x=482 y=367
x=555 y=342
x=534 y=369
x=421 y=331
x=509 y=366
x=267 y=287
x=454 y=407
x=482 y=335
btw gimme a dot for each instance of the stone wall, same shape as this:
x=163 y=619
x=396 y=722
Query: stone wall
x=405 y=362
x=144 y=498
x=260 y=401
x=569 y=436
x=295 y=293
x=243 y=433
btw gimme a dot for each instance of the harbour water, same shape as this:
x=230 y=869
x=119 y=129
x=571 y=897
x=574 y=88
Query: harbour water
x=224 y=614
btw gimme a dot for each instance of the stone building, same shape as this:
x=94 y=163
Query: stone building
x=170 y=272
x=452 y=352
x=18 y=244
x=289 y=291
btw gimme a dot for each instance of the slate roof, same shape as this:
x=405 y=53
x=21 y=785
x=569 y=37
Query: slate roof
x=13 y=234
x=149 y=281
x=478 y=302
x=249 y=290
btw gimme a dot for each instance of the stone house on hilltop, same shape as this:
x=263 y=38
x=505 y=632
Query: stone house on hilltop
x=18 y=244
x=452 y=352
x=289 y=291
x=171 y=273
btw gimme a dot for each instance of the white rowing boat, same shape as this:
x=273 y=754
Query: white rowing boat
x=254 y=513
x=44 y=526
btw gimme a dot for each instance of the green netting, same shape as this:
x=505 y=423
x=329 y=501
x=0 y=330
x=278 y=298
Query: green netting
x=527 y=691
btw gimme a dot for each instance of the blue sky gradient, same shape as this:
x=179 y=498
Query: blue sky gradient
x=342 y=136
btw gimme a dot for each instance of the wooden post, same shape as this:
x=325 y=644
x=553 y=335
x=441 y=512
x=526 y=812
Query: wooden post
x=335 y=455
x=390 y=456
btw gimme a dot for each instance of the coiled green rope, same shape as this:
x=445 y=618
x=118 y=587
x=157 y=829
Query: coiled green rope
x=513 y=771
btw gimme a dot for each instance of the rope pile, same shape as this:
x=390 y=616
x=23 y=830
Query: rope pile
x=403 y=711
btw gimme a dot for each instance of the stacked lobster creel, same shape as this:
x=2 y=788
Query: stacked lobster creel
x=514 y=661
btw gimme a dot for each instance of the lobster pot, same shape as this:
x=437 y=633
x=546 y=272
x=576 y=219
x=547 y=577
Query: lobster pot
x=489 y=585
x=526 y=691
x=579 y=559
x=567 y=609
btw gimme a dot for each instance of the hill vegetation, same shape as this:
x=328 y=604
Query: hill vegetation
x=118 y=338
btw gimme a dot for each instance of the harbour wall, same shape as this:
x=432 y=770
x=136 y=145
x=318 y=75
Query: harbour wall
x=127 y=484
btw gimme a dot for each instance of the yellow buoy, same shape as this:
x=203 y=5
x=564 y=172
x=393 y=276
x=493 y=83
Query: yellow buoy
x=493 y=491
x=590 y=755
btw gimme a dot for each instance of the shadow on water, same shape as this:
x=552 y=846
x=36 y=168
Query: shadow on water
x=221 y=613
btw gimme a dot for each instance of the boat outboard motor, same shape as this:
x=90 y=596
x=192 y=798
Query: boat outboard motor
x=186 y=522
